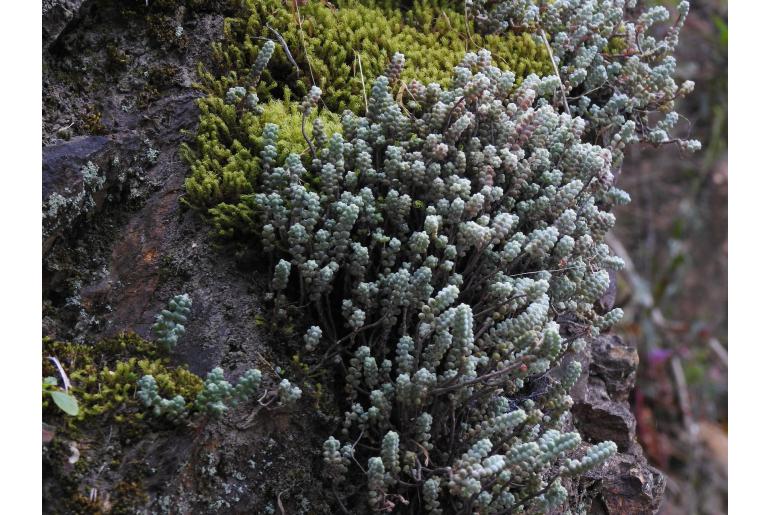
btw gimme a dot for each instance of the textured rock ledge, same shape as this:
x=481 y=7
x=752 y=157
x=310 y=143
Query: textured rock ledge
x=626 y=484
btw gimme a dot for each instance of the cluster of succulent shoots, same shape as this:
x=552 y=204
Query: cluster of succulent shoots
x=169 y=323
x=456 y=237
x=614 y=72
x=449 y=244
x=216 y=396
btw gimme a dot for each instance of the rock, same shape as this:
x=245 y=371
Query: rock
x=614 y=362
x=600 y=418
x=601 y=409
x=57 y=14
x=79 y=177
x=62 y=163
x=626 y=484
x=73 y=184
x=86 y=226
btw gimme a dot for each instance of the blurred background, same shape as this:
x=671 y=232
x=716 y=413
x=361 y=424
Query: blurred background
x=673 y=237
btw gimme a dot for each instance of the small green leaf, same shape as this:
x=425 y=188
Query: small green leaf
x=50 y=381
x=66 y=402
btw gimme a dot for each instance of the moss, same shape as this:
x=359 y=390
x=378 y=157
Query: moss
x=156 y=80
x=104 y=377
x=64 y=133
x=299 y=364
x=91 y=123
x=341 y=49
x=287 y=116
x=163 y=30
x=129 y=498
x=80 y=504
x=226 y=164
x=147 y=96
x=68 y=494
x=117 y=60
x=163 y=76
x=164 y=16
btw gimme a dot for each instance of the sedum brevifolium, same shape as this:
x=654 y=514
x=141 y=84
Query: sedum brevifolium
x=447 y=236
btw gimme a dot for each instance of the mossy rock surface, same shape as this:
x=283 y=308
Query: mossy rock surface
x=116 y=268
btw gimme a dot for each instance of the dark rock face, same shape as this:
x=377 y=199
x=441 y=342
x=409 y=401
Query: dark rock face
x=614 y=363
x=68 y=193
x=118 y=250
x=123 y=246
x=626 y=484
x=117 y=100
x=602 y=411
x=62 y=163
x=57 y=14
x=601 y=419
